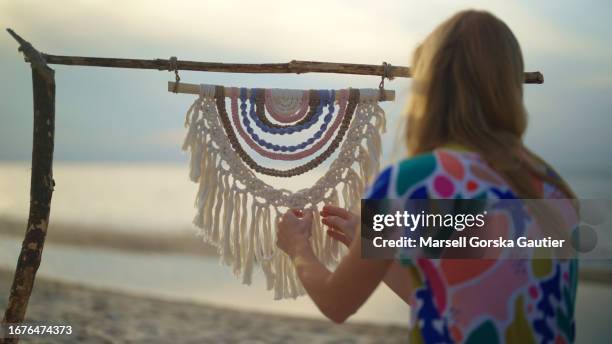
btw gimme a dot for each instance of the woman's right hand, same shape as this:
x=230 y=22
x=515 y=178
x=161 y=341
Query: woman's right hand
x=342 y=223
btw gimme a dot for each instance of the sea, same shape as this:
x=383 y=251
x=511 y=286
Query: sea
x=155 y=198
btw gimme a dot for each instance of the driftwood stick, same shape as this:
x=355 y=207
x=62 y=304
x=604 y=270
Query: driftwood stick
x=195 y=89
x=41 y=189
x=295 y=66
x=33 y=56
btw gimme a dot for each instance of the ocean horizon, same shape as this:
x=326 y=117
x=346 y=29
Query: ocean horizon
x=154 y=196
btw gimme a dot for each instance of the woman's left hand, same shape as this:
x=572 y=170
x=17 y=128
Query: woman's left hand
x=293 y=231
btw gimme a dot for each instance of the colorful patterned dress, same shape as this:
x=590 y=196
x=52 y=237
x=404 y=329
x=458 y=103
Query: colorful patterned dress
x=479 y=301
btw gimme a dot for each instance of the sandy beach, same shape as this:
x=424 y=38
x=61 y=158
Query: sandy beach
x=102 y=316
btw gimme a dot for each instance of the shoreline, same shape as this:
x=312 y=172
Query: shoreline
x=107 y=316
x=183 y=242
x=123 y=239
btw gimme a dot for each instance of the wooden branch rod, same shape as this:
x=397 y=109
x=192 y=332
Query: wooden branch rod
x=41 y=189
x=195 y=89
x=294 y=66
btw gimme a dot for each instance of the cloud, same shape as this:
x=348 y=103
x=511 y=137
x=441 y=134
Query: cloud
x=356 y=31
x=359 y=31
x=271 y=29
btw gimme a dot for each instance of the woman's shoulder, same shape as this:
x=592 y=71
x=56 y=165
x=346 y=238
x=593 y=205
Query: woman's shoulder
x=448 y=172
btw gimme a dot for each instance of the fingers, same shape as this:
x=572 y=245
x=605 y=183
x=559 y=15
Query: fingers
x=297 y=215
x=339 y=236
x=335 y=222
x=290 y=215
x=332 y=210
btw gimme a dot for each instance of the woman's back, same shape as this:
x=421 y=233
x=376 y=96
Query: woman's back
x=480 y=301
x=467 y=89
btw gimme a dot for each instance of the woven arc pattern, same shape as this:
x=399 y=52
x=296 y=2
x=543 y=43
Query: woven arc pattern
x=237 y=211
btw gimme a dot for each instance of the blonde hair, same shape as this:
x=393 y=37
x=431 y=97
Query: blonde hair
x=468 y=89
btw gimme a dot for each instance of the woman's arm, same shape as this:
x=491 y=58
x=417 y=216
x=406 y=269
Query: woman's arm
x=344 y=227
x=337 y=294
x=399 y=281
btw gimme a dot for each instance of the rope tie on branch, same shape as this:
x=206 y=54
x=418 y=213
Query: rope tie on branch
x=173 y=66
x=386 y=74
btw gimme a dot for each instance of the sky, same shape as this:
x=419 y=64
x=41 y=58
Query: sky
x=105 y=114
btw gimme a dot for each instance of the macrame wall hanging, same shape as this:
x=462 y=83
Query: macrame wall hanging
x=237 y=211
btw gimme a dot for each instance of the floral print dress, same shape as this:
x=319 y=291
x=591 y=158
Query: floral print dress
x=479 y=301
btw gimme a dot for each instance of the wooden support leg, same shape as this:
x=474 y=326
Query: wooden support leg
x=41 y=189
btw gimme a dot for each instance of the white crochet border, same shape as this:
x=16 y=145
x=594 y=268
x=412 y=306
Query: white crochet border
x=228 y=188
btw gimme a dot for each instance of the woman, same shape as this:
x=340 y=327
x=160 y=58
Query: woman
x=466 y=120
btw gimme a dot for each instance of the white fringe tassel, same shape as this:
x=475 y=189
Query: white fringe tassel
x=237 y=212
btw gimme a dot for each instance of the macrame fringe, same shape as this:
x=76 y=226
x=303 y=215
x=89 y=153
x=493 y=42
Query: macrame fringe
x=241 y=221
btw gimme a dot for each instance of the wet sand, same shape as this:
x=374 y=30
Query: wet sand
x=103 y=316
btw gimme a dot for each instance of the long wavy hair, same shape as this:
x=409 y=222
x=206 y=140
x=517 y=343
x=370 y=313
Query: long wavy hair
x=467 y=89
